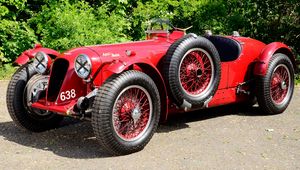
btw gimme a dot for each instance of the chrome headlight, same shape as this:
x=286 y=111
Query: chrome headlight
x=40 y=62
x=83 y=66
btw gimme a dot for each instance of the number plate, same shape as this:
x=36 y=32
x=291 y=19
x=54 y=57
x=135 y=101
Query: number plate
x=67 y=95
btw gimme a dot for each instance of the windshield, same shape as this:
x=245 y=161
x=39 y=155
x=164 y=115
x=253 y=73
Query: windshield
x=159 y=26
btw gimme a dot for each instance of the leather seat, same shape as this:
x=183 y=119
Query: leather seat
x=228 y=49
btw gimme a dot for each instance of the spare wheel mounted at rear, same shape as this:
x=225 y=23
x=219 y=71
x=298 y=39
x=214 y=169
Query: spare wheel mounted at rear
x=192 y=70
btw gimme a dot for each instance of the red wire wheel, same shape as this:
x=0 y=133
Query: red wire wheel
x=126 y=112
x=280 y=84
x=192 y=69
x=274 y=90
x=196 y=71
x=132 y=112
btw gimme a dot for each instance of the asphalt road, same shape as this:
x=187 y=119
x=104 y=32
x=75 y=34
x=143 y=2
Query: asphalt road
x=220 y=138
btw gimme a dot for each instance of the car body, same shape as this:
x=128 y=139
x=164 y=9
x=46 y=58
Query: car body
x=243 y=60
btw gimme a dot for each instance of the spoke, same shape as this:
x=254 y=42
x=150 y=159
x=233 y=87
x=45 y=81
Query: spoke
x=279 y=76
x=143 y=95
x=125 y=126
x=145 y=111
x=123 y=121
x=122 y=129
x=285 y=76
x=145 y=103
x=192 y=86
x=189 y=81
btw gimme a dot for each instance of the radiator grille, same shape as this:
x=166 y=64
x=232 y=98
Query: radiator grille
x=58 y=73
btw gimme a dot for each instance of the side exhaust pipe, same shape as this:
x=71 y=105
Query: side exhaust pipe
x=84 y=102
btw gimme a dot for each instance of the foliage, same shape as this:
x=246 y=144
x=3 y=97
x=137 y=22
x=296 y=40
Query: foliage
x=70 y=25
x=6 y=70
x=15 y=36
x=65 y=24
x=297 y=79
x=271 y=20
x=267 y=20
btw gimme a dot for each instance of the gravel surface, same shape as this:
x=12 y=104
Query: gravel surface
x=219 y=138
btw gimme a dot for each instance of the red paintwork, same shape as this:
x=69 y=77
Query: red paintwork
x=146 y=56
x=65 y=109
x=265 y=56
x=238 y=70
x=72 y=81
x=29 y=54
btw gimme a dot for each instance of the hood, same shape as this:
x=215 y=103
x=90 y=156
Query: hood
x=139 y=48
x=107 y=52
x=156 y=45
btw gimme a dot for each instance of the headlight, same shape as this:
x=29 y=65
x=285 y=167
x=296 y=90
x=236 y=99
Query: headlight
x=83 y=66
x=40 y=62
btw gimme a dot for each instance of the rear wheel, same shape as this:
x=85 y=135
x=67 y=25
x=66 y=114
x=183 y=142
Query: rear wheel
x=24 y=88
x=126 y=112
x=275 y=89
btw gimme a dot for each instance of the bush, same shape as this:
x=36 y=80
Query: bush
x=62 y=25
x=297 y=79
x=70 y=25
x=15 y=36
x=6 y=70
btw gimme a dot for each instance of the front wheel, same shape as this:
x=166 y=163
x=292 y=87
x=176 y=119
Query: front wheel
x=126 y=112
x=275 y=89
x=24 y=88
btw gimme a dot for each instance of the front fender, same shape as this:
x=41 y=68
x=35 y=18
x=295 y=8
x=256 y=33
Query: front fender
x=29 y=54
x=147 y=67
x=117 y=66
x=264 y=58
x=122 y=65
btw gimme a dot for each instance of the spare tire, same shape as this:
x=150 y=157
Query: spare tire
x=192 y=70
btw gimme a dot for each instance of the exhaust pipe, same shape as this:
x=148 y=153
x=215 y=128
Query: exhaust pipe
x=84 y=102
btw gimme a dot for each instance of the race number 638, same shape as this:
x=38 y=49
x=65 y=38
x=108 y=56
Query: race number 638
x=66 y=95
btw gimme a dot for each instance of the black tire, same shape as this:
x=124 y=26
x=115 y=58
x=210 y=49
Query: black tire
x=247 y=105
x=251 y=102
x=173 y=59
x=170 y=52
x=266 y=101
x=105 y=103
x=19 y=112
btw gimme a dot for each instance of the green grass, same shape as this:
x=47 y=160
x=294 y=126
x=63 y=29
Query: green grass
x=6 y=71
x=297 y=79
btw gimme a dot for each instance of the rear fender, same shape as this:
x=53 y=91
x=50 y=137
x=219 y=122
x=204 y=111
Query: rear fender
x=147 y=67
x=264 y=58
x=29 y=54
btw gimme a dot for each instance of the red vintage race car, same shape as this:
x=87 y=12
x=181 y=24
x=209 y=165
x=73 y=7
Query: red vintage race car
x=126 y=89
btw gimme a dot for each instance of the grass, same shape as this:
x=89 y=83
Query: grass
x=297 y=79
x=6 y=71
